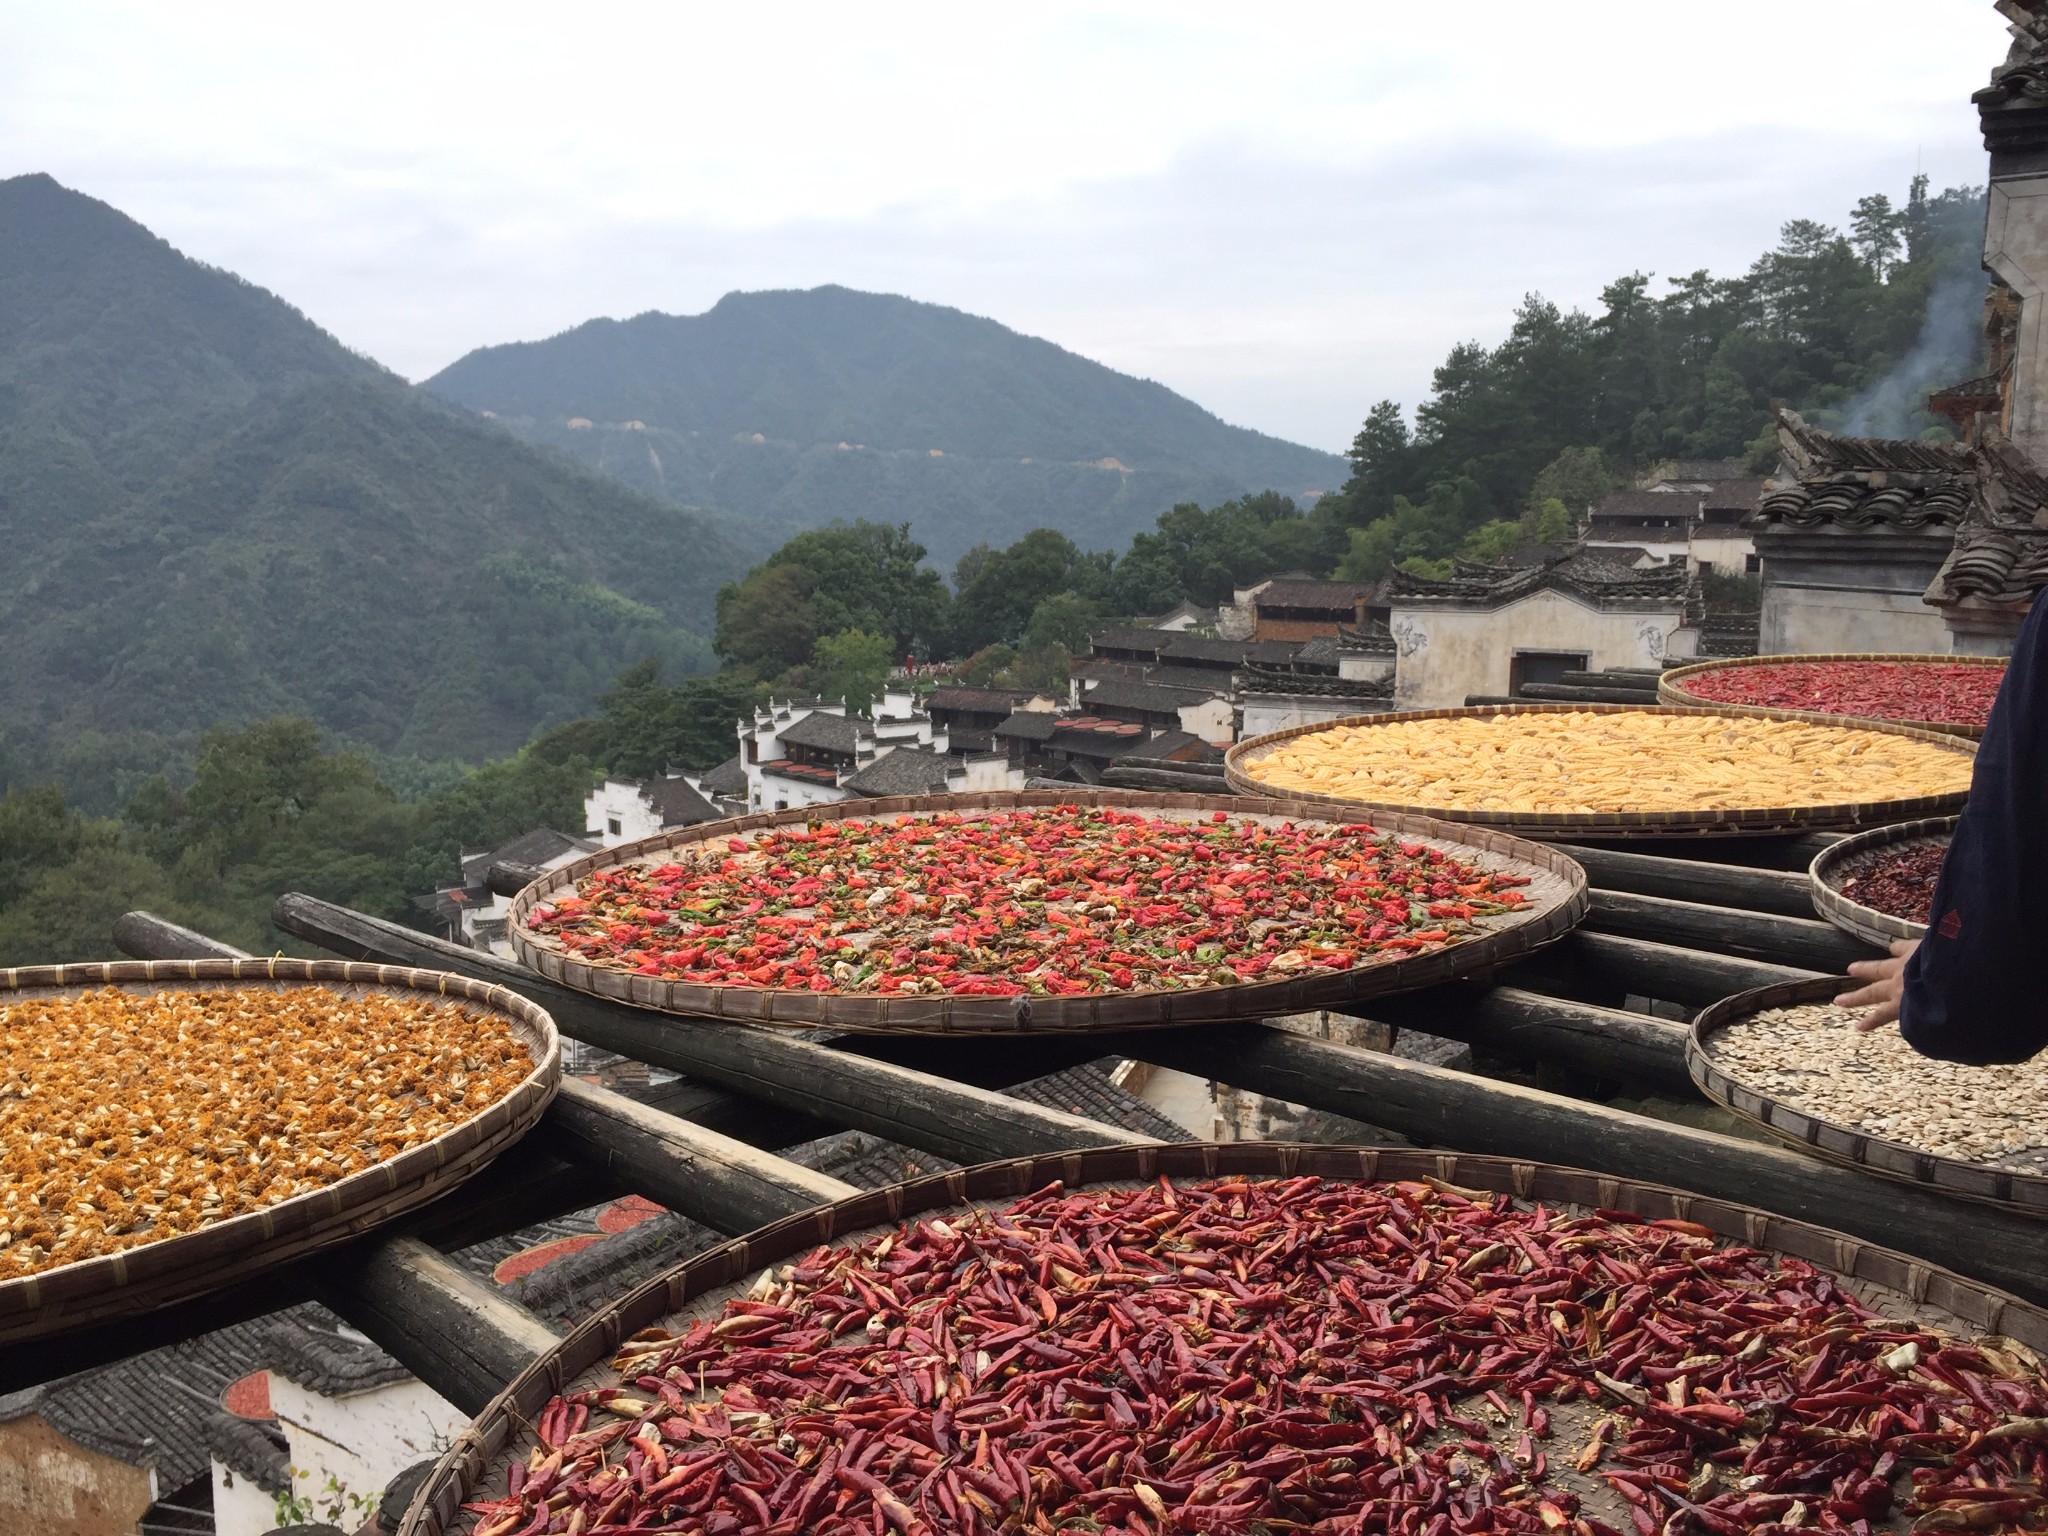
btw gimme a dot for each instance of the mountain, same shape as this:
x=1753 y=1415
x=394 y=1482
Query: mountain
x=788 y=409
x=212 y=511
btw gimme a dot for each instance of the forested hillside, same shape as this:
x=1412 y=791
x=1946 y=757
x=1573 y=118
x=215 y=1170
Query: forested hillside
x=1854 y=328
x=212 y=512
x=789 y=409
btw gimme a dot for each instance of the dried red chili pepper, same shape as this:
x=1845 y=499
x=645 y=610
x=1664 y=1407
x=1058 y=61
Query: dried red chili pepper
x=1266 y=1356
x=1944 y=693
x=1898 y=881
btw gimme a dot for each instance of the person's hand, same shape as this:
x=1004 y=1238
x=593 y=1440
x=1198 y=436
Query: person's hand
x=1887 y=980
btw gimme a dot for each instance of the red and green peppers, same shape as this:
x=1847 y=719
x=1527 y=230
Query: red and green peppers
x=1051 y=902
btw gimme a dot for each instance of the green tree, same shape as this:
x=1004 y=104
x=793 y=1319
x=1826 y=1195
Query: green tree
x=767 y=621
x=1009 y=584
x=1492 y=541
x=871 y=577
x=1065 y=619
x=1577 y=477
x=1877 y=234
x=853 y=665
x=67 y=912
x=1552 y=523
x=38 y=833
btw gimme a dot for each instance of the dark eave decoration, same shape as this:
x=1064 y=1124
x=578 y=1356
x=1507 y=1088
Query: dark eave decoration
x=1583 y=574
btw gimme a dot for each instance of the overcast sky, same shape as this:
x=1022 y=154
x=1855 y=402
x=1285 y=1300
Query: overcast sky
x=1283 y=211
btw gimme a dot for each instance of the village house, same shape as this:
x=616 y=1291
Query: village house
x=1301 y=608
x=1329 y=678
x=627 y=810
x=814 y=753
x=472 y=914
x=969 y=716
x=1688 y=511
x=1202 y=712
x=1489 y=629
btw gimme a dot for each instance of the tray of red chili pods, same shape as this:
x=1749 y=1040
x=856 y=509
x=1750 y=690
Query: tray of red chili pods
x=1949 y=694
x=1879 y=884
x=1258 y=1338
x=1037 y=910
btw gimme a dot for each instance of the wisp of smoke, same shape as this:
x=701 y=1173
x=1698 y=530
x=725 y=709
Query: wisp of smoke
x=1896 y=405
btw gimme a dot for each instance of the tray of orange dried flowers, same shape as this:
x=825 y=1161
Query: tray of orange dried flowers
x=170 y=1127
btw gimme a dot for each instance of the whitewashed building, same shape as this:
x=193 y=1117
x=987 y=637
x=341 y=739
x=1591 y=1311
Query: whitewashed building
x=626 y=810
x=1489 y=629
x=812 y=752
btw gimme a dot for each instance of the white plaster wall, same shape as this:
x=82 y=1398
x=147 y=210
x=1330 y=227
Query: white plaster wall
x=240 y=1508
x=365 y=1439
x=1364 y=667
x=1212 y=720
x=1446 y=654
x=620 y=801
x=497 y=907
x=1808 y=621
x=1267 y=712
x=985 y=774
x=772 y=789
x=1728 y=554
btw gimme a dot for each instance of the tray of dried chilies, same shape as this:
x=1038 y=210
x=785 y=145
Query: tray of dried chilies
x=1787 y=1059
x=170 y=1127
x=1038 y=910
x=1613 y=770
x=1258 y=1338
x=1879 y=884
x=1948 y=694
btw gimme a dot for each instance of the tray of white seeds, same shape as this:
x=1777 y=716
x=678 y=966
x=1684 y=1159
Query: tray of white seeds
x=1786 y=1058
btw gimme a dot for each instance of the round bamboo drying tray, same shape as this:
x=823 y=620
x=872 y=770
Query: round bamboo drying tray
x=1879 y=928
x=1671 y=687
x=1557 y=901
x=2025 y=1193
x=1889 y=1282
x=1240 y=766
x=152 y=1275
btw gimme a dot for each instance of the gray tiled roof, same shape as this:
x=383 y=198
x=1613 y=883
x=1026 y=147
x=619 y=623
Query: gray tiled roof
x=980 y=701
x=1166 y=743
x=905 y=771
x=1160 y=698
x=827 y=733
x=1029 y=725
x=1285 y=593
x=728 y=780
x=254 y=1450
x=677 y=803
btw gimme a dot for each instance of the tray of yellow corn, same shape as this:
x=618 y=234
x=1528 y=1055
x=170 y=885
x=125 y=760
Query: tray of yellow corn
x=1614 y=770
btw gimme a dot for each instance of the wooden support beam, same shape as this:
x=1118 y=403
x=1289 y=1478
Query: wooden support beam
x=1635 y=682
x=1584 y=964
x=1603 y=1043
x=1695 y=880
x=455 y=1333
x=720 y=1181
x=1163 y=776
x=965 y=1124
x=1476 y=1114
x=145 y=936
x=1804 y=943
x=1562 y=693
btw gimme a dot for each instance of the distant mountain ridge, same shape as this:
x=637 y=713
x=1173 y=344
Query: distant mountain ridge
x=212 y=511
x=790 y=407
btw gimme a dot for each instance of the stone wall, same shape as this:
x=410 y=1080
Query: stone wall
x=50 y=1485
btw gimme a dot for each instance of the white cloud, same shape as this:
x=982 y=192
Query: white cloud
x=1284 y=211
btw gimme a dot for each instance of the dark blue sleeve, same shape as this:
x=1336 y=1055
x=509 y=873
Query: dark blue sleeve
x=1977 y=988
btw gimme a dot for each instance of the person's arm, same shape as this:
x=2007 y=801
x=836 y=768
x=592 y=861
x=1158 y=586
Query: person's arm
x=1975 y=990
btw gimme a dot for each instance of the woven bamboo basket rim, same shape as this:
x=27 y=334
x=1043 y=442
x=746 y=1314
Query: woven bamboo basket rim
x=476 y=1455
x=1671 y=688
x=152 y=1275
x=1615 y=825
x=2025 y=1194
x=1880 y=928
x=859 y=1013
